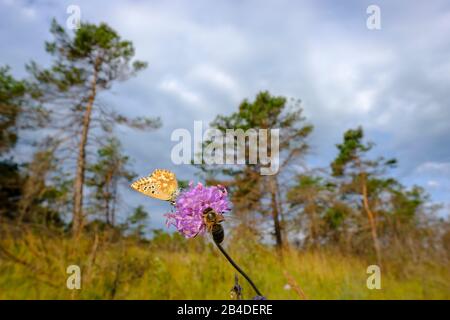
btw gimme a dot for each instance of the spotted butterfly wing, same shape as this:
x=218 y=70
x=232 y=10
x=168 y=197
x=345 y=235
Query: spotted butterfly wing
x=161 y=184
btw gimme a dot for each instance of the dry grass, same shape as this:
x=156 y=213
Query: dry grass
x=34 y=267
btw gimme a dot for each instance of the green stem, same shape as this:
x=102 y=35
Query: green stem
x=237 y=268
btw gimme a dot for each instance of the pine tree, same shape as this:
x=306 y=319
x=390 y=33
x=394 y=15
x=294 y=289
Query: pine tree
x=311 y=194
x=252 y=192
x=104 y=177
x=136 y=222
x=12 y=93
x=361 y=176
x=85 y=63
x=46 y=188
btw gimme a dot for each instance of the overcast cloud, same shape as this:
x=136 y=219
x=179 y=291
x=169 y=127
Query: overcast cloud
x=206 y=56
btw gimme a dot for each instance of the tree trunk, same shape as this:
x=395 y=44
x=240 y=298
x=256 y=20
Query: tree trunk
x=114 y=201
x=311 y=208
x=107 y=209
x=370 y=215
x=77 y=219
x=275 y=214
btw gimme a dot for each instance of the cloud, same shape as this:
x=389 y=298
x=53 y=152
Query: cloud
x=393 y=81
x=433 y=184
x=174 y=87
x=25 y=11
x=211 y=76
x=430 y=167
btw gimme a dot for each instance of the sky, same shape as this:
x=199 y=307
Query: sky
x=205 y=57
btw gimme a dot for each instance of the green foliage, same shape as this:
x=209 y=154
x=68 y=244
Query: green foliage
x=10 y=188
x=352 y=153
x=84 y=63
x=252 y=193
x=16 y=112
x=45 y=192
x=407 y=203
x=183 y=184
x=307 y=186
x=270 y=112
x=349 y=150
x=335 y=217
x=162 y=240
x=92 y=48
x=103 y=177
x=262 y=113
x=93 y=58
x=136 y=223
x=12 y=94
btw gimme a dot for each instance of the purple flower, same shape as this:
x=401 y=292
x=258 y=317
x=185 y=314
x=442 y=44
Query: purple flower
x=190 y=204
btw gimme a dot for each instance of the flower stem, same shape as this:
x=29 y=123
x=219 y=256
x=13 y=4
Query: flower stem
x=237 y=268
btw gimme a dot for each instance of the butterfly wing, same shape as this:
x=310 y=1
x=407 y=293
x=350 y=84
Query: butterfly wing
x=146 y=186
x=168 y=184
x=161 y=184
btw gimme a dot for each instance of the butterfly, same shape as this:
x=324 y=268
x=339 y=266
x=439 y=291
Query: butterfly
x=161 y=184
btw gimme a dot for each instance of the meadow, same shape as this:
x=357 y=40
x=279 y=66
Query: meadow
x=333 y=203
x=34 y=264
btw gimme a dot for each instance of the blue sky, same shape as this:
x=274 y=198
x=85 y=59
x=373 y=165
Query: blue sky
x=206 y=56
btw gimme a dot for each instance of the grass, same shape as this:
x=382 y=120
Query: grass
x=34 y=267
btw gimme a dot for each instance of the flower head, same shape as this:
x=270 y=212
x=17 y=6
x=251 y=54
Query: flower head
x=190 y=204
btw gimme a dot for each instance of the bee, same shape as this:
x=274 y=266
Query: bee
x=212 y=221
